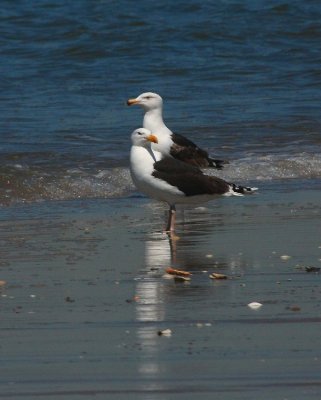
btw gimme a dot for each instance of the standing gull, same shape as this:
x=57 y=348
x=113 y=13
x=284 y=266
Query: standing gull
x=173 y=181
x=171 y=143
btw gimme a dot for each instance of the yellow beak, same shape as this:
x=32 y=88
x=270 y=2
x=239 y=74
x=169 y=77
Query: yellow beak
x=131 y=102
x=152 y=138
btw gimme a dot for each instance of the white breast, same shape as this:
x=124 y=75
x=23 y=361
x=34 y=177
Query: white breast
x=141 y=168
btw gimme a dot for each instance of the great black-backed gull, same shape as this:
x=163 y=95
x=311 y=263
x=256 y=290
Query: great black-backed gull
x=173 y=181
x=171 y=143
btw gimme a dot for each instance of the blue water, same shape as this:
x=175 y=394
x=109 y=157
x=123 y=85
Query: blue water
x=240 y=78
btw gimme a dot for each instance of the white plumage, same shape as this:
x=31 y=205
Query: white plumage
x=170 y=143
x=172 y=181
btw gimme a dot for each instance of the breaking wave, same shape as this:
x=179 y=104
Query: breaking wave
x=23 y=183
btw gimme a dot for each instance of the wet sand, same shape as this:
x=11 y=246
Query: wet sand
x=86 y=295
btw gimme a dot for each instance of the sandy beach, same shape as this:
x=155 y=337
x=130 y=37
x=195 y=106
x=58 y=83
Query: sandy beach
x=86 y=294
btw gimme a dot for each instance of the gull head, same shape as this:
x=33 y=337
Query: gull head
x=148 y=101
x=143 y=137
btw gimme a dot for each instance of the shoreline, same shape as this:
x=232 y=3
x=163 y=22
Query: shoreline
x=85 y=296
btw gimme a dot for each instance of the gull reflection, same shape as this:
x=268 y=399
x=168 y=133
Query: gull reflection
x=158 y=250
x=150 y=288
x=188 y=252
x=151 y=310
x=192 y=251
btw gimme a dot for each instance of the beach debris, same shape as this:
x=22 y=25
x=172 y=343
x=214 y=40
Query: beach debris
x=216 y=275
x=209 y=256
x=255 y=305
x=2 y=283
x=177 y=272
x=285 y=257
x=312 y=269
x=68 y=299
x=133 y=299
x=165 y=332
x=294 y=308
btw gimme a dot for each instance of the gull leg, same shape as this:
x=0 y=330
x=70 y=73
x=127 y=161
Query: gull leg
x=171 y=219
x=172 y=238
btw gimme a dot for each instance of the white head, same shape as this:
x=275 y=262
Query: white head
x=148 y=101
x=143 y=137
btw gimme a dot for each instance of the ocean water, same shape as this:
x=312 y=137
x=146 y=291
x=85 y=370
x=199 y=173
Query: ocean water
x=240 y=78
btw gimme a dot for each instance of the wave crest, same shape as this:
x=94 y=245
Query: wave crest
x=23 y=183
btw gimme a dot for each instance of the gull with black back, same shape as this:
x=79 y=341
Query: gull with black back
x=172 y=181
x=170 y=143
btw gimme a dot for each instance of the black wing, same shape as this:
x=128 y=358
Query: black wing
x=173 y=166
x=185 y=150
x=188 y=178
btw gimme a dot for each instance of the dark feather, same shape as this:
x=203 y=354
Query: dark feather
x=188 y=179
x=173 y=166
x=242 y=189
x=182 y=141
x=185 y=150
x=218 y=164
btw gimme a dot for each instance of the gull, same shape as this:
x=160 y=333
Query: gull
x=170 y=143
x=172 y=181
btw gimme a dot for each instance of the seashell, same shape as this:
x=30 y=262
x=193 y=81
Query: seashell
x=165 y=332
x=215 y=275
x=178 y=272
x=255 y=305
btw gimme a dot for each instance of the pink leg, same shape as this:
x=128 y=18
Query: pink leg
x=171 y=219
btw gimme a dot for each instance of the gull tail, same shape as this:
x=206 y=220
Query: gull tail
x=240 y=190
x=217 y=164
